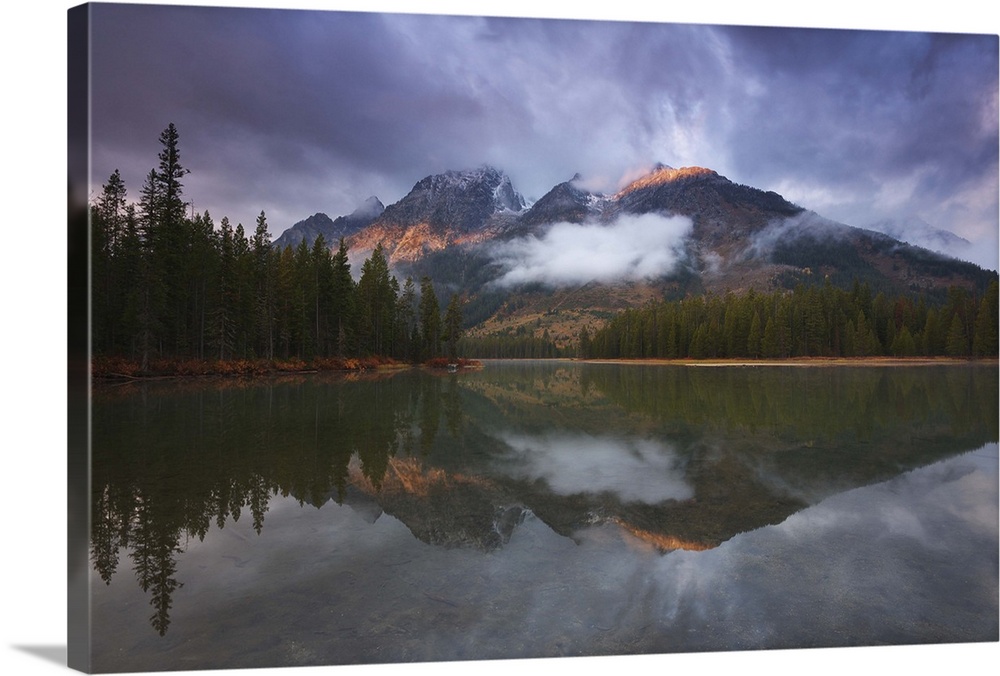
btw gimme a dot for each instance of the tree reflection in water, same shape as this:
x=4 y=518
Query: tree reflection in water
x=460 y=459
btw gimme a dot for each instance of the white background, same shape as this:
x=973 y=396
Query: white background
x=33 y=329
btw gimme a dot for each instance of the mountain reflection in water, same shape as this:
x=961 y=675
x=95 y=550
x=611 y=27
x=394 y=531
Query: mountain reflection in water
x=461 y=501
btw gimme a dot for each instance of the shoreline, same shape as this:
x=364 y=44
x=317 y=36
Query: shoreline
x=118 y=369
x=806 y=362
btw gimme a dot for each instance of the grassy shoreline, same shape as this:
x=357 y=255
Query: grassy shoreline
x=120 y=368
x=807 y=361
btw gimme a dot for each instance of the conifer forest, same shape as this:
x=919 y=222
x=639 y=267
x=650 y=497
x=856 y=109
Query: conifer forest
x=172 y=285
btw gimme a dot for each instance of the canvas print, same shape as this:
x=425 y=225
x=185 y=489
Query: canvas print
x=413 y=338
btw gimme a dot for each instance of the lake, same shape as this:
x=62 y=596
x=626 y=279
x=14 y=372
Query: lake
x=541 y=509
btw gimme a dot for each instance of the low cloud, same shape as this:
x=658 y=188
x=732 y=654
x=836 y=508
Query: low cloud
x=914 y=230
x=910 y=230
x=630 y=248
x=781 y=231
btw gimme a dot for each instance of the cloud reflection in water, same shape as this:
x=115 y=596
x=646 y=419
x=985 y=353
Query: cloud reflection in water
x=847 y=571
x=635 y=470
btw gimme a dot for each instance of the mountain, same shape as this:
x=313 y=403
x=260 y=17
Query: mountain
x=443 y=210
x=668 y=234
x=332 y=230
x=567 y=203
x=743 y=237
x=919 y=232
x=722 y=211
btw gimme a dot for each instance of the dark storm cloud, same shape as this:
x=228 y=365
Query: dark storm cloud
x=295 y=112
x=879 y=121
x=278 y=101
x=897 y=100
x=279 y=93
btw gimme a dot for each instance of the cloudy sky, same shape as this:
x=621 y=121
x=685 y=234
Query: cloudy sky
x=294 y=112
x=297 y=112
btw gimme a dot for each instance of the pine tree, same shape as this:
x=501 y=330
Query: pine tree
x=169 y=176
x=984 y=341
x=343 y=303
x=453 y=326
x=245 y=287
x=700 y=343
x=957 y=342
x=111 y=209
x=322 y=270
x=903 y=345
x=866 y=343
x=933 y=337
x=376 y=304
x=960 y=307
x=305 y=301
x=783 y=328
x=287 y=306
x=129 y=265
x=407 y=333
x=430 y=319
x=585 y=347
x=755 y=337
x=201 y=270
x=264 y=271
x=170 y=243
x=223 y=318
x=150 y=273
x=108 y=224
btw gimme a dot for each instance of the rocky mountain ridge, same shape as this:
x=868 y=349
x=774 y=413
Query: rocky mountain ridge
x=466 y=229
x=332 y=229
x=443 y=210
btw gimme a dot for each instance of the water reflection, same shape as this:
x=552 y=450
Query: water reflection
x=665 y=459
x=633 y=470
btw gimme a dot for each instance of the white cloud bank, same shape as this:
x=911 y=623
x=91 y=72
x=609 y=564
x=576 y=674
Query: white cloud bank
x=631 y=248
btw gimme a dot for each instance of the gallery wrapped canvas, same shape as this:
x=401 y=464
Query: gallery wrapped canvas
x=426 y=339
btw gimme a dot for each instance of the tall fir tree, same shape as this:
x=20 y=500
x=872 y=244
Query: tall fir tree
x=957 y=341
x=407 y=333
x=430 y=320
x=376 y=304
x=170 y=244
x=984 y=341
x=343 y=307
x=109 y=221
x=223 y=326
x=265 y=266
x=452 y=326
x=321 y=261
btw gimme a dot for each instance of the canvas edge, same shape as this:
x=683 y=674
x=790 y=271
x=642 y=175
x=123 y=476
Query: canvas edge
x=78 y=652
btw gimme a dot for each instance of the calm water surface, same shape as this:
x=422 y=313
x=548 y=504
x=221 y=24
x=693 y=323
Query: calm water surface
x=536 y=509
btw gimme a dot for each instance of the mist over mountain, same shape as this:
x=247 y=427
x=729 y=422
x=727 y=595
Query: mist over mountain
x=630 y=248
x=918 y=232
x=579 y=256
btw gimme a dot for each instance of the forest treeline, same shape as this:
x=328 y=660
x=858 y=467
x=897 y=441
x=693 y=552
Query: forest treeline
x=169 y=285
x=810 y=321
